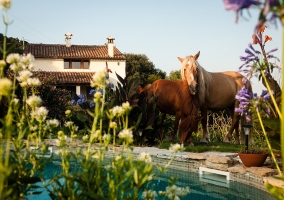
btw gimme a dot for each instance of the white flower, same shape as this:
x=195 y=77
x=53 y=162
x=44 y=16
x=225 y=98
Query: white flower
x=126 y=106
x=99 y=80
x=95 y=135
x=27 y=60
x=113 y=125
x=149 y=194
x=2 y=64
x=68 y=124
x=5 y=86
x=53 y=122
x=117 y=111
x=85 y=138
x=34 y=82
x=40 y=113
x=173 y=192
x=15 y=101
x=125 y=133
x=174 y=148
x=34 y=101
x=117 y=158
x=24 y=75
x=145 y=157
x=15 y=67
x=5 y=4
x=13 y=58
x=106 y=137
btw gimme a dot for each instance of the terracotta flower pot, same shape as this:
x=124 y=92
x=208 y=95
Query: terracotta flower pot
x=253 y=160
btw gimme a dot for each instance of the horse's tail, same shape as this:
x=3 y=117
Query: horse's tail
x=141 y=90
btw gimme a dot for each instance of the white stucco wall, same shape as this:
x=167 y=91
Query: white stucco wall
x=95 y=65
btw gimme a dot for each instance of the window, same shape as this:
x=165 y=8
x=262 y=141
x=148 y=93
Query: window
x=76 y=64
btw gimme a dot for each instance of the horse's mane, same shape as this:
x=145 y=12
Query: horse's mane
x=204 y=79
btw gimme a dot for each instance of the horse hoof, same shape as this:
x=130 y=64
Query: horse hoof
x=203 y=141
x=226 y=140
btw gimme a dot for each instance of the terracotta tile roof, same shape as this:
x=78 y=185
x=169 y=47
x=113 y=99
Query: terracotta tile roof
x=69 y=77
x=60 y=51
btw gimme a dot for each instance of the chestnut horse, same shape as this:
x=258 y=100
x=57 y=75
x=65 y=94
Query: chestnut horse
x=174 y=98
x=215 y=91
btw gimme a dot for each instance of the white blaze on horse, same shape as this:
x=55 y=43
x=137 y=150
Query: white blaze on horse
x=215 y=91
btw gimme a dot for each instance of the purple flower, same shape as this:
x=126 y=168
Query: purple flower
x=92 y=104
x=111 y=85
x=244 y=96
x=92 y=92
x=239 y=5
x=73 y=102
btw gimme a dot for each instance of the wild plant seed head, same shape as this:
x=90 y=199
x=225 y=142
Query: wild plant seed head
x=34 y=101
x=5 y=86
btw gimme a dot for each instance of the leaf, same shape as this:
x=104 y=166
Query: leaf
x=121 y=80
x=275 y=191
x=82 y=116
x=138 y=120
x=272 y=123
x=149 y=127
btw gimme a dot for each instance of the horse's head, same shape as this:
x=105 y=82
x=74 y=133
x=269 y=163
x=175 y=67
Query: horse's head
x=189 y=71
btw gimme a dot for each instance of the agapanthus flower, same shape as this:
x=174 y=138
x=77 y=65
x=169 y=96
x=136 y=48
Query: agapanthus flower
x=239 y=5
x=244 y=96
x=260 y=102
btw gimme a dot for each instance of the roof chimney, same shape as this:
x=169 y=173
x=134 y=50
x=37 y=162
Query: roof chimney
x=110 y=40
x=68 y=39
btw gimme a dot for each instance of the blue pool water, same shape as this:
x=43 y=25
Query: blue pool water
x=209 y=187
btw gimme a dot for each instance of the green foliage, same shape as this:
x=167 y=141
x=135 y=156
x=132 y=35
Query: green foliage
x=174 y=75
x=139 y=66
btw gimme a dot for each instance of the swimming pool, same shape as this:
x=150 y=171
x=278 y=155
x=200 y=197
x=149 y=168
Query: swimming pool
x=208 y=186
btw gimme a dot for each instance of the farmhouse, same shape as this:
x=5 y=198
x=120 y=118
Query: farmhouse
x=74 y=65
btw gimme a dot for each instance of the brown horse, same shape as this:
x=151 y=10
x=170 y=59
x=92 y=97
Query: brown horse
x=215 y=91
x=174 y=98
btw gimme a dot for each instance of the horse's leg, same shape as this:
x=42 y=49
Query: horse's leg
x=189 y=139
x=177 y=118
x=162 y=135
x=234 y=126
x=205 y=137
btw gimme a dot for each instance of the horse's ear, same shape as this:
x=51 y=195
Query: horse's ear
x=180 y=59
x=196 y=55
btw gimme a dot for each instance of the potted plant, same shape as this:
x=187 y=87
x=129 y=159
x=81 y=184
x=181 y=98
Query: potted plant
x=254 y=155
x=256 y=63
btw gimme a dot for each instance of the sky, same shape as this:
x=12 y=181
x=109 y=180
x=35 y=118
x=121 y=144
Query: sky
x=161 y=29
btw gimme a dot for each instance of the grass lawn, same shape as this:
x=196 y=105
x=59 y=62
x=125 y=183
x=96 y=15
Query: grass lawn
x=219 y=146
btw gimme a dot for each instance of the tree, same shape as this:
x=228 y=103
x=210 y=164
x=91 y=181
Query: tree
x=174 y=75
x=139 y=65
